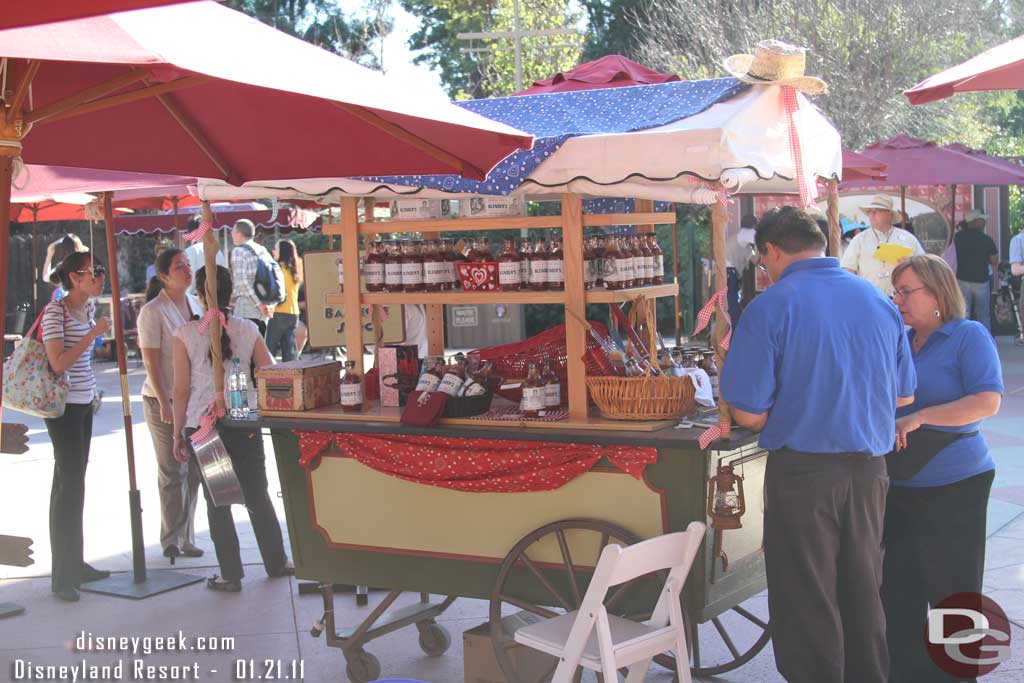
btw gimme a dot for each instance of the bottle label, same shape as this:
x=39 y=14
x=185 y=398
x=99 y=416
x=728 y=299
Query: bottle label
x=524 y=271
x=533 y=399
x=412 y=273
x=450 y=384
x=556 y=272
x=646 y=267
x=393 y=273
x=428 y=382
x=658 y=265
x=475 y=388
x=352 y=394
x=610 y=270
x=374 y=273
x=625 y=268
x=552 y=395
x=435 y=272
x=538 y=271
x=508 y=273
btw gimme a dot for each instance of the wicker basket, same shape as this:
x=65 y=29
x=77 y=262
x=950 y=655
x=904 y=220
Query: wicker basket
x=650 y=397
x=642 y=398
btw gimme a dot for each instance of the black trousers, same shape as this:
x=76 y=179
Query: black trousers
x=70 y=435
x=823 y=554
x=245 y=447
x=934 y=547
x=281 y=335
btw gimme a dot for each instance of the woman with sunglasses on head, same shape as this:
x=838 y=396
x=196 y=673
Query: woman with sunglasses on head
x=68 y=333
x=941 y=470
x=169 y=308
x=193 y=395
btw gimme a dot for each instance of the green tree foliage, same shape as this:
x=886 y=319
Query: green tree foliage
x=324 y=24
x=613 y=27
x=492 y=73
x=867 y=51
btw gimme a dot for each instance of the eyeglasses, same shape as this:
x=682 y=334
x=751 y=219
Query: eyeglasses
x=760 y=265
x=906 y=292
x=95 y=271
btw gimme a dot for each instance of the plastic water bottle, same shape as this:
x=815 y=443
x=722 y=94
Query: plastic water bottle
x=234 y=395
x=243 y=392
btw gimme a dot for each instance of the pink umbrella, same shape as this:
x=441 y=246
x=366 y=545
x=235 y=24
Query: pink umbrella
x=29 y=12
x=862 y=167
x=610 y=71
x=1001 y=68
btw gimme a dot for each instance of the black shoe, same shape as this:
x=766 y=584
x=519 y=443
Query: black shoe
x=90 y=573
x=225 y=585
x=287 y=570
x=192 y=551
x=171 y=552
x=67 y=594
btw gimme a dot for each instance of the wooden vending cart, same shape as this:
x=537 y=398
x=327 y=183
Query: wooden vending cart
x=533 y=551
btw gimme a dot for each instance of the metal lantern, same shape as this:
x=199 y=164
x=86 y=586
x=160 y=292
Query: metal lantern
x=725 y=499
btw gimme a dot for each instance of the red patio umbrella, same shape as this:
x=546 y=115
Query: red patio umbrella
x=30 y=12
x=201 y=90
x=1001 y=68
x=862 y=167
x=286 y=218
x=610 y=71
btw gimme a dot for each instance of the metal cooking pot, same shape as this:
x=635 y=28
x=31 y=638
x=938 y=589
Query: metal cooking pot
x=218 y=472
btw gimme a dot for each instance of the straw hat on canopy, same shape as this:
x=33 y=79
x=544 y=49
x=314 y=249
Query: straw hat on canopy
x=775 y=62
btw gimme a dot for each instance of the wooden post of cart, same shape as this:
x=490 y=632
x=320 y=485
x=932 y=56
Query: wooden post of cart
x=353 y=305
x=719 y=218
x=835 y=232
x=575 y=304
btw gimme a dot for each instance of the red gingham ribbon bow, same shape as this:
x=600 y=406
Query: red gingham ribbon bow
x=704 y=317
x=209 y=316
x=207 y=422
x=790 y=104
x=199 y=233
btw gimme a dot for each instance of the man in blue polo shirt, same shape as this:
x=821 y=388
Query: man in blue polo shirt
x=818 y=365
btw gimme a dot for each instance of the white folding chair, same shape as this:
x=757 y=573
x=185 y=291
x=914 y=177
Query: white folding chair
x=592 y=638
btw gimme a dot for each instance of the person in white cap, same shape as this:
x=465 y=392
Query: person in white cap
x=861 y=257
x=976 y=258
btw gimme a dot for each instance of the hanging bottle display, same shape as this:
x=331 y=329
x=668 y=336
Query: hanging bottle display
x=351 y=389
x=373 y=272
x=509 y=274
x=556 y=266
x=532 y=401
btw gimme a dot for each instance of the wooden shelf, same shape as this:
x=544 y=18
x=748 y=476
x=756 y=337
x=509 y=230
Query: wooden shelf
x=503 y=223
x=594 y=296
x=375 y=413
x=618 y=296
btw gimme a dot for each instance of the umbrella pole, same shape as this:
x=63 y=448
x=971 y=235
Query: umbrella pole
x=35 y=262
x=675 y=275
x=952 y=212
x=177 y=226
x=140 y=585
x=903 y=206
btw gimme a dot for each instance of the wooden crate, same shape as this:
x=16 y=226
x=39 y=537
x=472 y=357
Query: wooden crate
x=299 y=385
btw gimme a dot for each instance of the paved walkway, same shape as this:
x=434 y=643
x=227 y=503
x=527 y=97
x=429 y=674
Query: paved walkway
x=270 y=618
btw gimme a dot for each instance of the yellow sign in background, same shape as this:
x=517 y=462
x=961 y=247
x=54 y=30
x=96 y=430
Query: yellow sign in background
x=326 y=321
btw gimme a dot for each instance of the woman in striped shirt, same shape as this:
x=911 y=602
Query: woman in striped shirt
x=68 y=334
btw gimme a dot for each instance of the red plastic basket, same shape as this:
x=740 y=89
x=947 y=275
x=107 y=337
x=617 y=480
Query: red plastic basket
x=511 y=360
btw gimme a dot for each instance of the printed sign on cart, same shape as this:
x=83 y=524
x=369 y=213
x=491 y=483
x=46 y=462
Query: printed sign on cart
x=325 y=312
x=465 y=316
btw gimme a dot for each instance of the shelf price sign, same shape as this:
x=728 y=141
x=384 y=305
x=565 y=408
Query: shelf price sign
x=326 y=316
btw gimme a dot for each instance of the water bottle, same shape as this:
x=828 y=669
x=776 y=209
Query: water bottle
x=243 y=393
x=234 y=395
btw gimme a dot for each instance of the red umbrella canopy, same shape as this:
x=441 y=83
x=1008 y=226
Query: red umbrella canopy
x=611 y=71
x=202 y=90
x=921 y=162
x=862 y=167
x=1001 y=68
x=29 y=12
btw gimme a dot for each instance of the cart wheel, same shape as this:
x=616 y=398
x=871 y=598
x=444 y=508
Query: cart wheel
x=361 y=666
x=434 y=638
x=725 y=642
x=547 y=574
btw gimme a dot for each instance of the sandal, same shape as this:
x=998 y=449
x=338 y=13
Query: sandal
x=226 y=585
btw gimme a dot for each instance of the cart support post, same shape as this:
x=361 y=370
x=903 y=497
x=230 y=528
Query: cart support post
x=719 y=218
x=575 y=303
x=835 y=233
x=353 y=305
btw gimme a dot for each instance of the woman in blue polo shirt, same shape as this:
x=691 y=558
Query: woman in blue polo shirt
x=935 y=516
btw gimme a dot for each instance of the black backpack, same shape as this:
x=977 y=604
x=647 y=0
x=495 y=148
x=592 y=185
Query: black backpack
x=269 y=284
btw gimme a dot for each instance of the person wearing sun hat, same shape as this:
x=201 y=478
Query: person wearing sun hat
x=866 y=254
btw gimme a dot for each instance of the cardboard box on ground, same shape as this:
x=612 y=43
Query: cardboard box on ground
x=480 y=664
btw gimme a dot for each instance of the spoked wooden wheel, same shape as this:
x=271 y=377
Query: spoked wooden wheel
x=547 y=574
x=725 y=642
